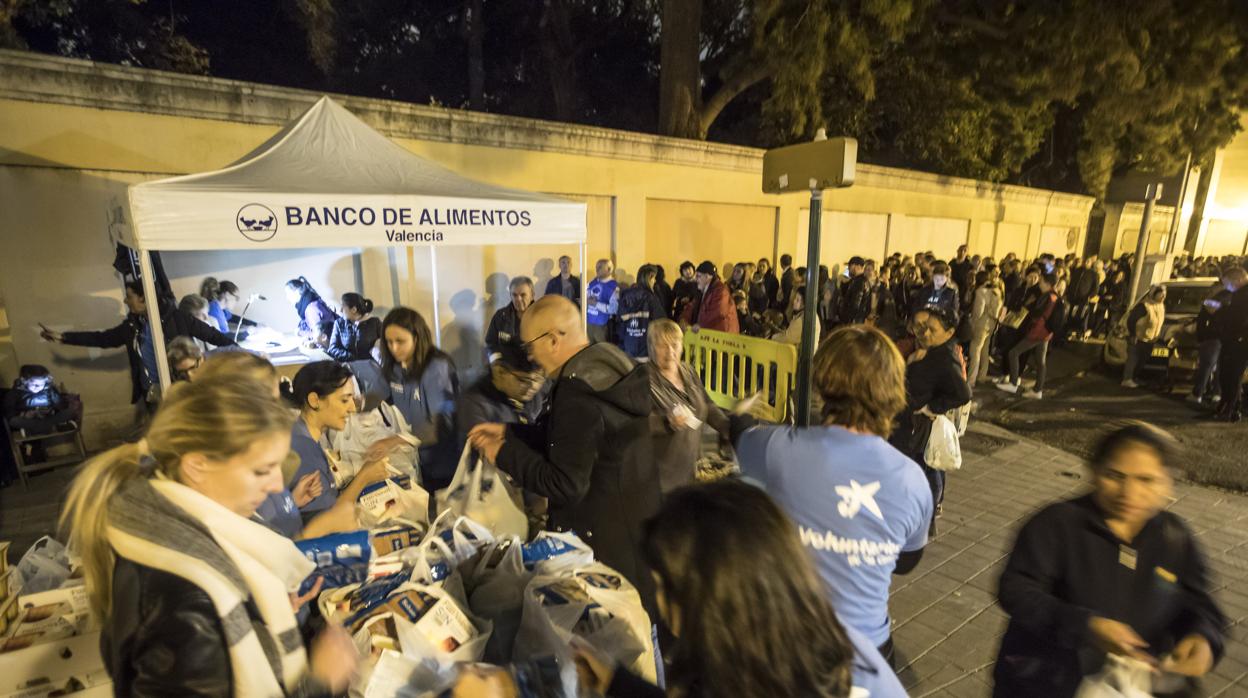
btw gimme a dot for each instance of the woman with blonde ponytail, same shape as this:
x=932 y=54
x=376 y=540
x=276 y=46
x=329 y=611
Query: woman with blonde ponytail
x=195 y=598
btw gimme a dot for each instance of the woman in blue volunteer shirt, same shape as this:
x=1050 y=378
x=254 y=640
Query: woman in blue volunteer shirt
x=421 y=382
x=731 y=577
x=325 y=396
x=861 y=506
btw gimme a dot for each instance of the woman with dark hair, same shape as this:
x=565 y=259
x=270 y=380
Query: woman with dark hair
x=422 y=383
x=884 y=502
x=325 y=396
x=662 y=289
x=1109 y=573
x=941 y=291
x=316 y=320
x=935 y=384
x=355 y=333
x=731 y=577
x=771 y=284
x=685 y=290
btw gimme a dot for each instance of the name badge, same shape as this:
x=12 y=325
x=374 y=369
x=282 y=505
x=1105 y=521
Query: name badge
x=505 y=336
x=1126 y=557
x=396 y=387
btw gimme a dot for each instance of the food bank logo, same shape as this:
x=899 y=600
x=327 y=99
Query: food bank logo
x=256 y=222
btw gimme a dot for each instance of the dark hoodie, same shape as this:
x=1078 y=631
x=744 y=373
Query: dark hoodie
x=597 y=468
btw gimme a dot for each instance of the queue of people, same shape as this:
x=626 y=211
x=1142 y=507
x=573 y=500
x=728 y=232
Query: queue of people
x=604 y=444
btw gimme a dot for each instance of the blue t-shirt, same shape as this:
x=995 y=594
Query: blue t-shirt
x=857 y=502
x=279 y=513
x=312 y=459
x=869 y=670
x=604 y=301
x=428 y=404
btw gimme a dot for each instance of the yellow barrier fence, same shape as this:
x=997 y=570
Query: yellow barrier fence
x=734 y=367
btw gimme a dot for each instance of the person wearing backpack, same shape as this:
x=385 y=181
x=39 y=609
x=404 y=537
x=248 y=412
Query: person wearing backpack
x=1045 y=314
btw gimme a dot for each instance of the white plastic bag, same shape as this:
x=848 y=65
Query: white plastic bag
x=595 y=603
x=44 y=567
x=480 y=493
x=367 y=428
x=379 y=505
x=554 y=552
x=943 y=451
x=1121 y=677
x=495 y=586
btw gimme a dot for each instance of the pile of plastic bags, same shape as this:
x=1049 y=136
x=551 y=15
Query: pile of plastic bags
x=421 y=599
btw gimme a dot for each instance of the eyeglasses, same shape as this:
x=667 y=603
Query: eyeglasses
x=528 y=346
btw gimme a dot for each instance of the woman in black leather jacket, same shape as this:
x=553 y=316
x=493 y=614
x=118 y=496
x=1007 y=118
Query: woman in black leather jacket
x=194 y=597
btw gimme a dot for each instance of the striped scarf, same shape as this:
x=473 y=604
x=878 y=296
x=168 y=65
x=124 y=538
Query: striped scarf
x=167 y=526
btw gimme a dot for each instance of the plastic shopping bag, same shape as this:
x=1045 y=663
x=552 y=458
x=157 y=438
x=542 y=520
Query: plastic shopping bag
x=480 y=493
x=595 y=603
x=554 y=552
x=364 y=429
x=495 y=583
x=943 y=451
x=394 y=498
x=44 y=567
x=1121 y=677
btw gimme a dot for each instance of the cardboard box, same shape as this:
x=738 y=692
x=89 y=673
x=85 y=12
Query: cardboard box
x=4 y=555
x=49 y=616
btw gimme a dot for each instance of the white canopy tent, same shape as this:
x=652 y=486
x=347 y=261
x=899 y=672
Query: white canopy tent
x=329 y=180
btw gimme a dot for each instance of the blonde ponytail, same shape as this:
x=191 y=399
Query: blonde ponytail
x=85 y=518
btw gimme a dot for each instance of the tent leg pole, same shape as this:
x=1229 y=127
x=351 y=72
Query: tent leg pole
x=584 y=285
x=437 y=322
x=153 y=318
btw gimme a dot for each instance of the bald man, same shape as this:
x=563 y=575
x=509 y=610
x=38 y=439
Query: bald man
x=593 y=458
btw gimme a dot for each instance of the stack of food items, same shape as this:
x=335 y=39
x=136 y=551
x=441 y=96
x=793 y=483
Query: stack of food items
x=424 y=601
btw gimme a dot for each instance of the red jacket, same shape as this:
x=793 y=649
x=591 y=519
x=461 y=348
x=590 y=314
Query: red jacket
x=714 y=310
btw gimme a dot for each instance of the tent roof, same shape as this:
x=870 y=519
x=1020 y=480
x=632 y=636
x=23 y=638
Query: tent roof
x=329 y=159
x=329 y=150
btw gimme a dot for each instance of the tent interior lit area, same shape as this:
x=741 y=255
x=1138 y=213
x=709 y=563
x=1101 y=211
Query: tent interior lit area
x=329 y=199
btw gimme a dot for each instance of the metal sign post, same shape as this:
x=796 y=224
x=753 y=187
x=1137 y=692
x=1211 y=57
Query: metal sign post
x=810 y=167
x=810 y=315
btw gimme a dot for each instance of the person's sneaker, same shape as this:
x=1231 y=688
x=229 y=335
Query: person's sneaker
x=1130 y=384
x=1194 y=399
x=1008 y=387
x=1033 y=394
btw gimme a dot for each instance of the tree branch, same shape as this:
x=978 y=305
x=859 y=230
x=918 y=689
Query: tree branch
x=736 y=82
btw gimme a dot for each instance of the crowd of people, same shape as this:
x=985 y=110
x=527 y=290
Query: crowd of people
x=600 y=426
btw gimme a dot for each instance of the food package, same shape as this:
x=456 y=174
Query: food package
x=396 y=537
x=56 y=668
x=551 y=552
x=595 y=603
x=341 y=559
x=47 y=616
x=395 y=498
x=8 y=615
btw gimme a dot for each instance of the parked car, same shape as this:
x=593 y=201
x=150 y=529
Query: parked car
x=1175 y=352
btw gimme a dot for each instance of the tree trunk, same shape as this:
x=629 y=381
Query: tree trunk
x=559 y=54
x=680 y=79
x=476 y=55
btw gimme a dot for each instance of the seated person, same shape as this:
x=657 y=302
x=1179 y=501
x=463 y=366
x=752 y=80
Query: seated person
x=222 y=297
x=355 y=332
x=324 y=393
x=35 y=405
x=316 y=320
x=185 y=357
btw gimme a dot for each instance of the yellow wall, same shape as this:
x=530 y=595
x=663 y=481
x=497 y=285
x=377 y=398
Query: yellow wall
x=64 y=171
